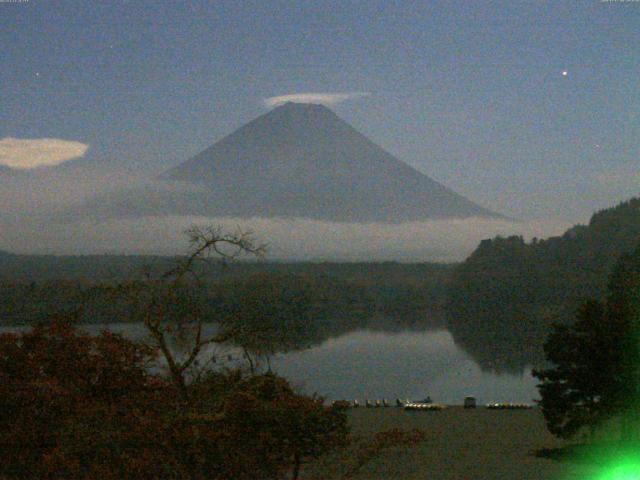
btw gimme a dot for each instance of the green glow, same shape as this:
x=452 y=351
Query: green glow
x=627 y=469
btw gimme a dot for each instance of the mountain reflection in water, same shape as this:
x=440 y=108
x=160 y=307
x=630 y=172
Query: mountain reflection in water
x=376 y=363
x=367 y=364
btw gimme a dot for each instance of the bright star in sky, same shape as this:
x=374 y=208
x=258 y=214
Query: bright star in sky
x=565 y=73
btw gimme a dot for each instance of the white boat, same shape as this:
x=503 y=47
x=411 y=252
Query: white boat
x=509 y=406
x=424 y=406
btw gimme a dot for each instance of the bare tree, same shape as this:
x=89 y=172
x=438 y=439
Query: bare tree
x=171 y=304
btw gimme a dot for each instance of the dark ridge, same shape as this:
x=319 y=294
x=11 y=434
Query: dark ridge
x=504 y=298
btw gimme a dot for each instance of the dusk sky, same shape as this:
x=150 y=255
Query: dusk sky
x=528 y=108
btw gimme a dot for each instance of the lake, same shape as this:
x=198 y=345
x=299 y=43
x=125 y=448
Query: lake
x=367 y=364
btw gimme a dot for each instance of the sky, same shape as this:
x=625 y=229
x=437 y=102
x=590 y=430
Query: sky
x=528 y=108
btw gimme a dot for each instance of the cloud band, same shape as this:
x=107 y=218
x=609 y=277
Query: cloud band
x=29 y=153
x=321 y=98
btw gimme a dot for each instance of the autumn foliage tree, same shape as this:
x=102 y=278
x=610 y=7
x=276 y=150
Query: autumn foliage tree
x=78 y=406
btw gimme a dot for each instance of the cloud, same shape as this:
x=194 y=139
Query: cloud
x=44 y=213
x=29 y=153
x=290 y=239
x=322 y=98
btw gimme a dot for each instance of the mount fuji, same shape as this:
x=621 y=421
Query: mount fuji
x=302 y=160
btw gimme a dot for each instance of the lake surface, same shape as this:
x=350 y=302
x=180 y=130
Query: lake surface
x=366 y=364
x=374 y=365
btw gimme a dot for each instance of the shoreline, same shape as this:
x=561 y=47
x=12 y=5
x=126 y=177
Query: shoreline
x=478 y=444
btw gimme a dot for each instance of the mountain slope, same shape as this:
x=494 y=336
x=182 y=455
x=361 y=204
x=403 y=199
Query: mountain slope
x=302 y=160
x=506 y=295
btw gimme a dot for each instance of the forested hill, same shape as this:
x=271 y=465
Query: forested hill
x=504 y=297
x=414 y=295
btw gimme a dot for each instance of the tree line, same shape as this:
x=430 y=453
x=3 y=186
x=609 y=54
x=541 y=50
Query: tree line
x=593 y=375
x=33 y=287
x=504 y=298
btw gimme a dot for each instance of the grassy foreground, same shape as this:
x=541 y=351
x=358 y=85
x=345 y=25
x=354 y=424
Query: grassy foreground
x=466 y=444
